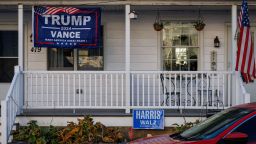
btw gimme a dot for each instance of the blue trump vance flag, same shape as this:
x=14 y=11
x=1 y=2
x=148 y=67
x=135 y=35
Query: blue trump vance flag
x=66 y=27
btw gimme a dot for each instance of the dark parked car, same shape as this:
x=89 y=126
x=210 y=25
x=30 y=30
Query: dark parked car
x=236 y=125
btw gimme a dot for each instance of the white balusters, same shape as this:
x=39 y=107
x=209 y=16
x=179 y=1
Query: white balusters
x=132 y=88
x=148 y=85
x=58 y=90
x=122 y=87
x=101 y=89
x=143 y=91
x=63 y=90
x=117 y=94
x=197 y=100
x=154 y=90
x=95 y=89
x=90 y=89
x=138 y=89
x=106 y=88
x=101 y=99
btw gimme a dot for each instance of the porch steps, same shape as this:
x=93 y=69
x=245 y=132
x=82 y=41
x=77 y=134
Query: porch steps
x=15 y=127
x=106 y=113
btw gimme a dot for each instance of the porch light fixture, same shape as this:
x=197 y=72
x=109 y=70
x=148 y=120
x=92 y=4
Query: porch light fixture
x=133 y=15
x=216 y=42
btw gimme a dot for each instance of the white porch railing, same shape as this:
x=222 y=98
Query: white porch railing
x=106 y=89
x=12 y=105
x=66 y=89
x=191 y=89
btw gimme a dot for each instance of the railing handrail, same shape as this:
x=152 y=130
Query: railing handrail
x=15 y=77
x=116 y=72
x=74 y=72
x=182 y=72
x=8 y=120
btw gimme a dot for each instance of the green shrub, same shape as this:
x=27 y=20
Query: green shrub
x=88 y=132
x=31 y=134
x=180 y=128
x=83 y=132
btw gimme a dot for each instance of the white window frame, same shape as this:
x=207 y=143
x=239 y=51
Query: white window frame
x=200 y=44
x=9 y=27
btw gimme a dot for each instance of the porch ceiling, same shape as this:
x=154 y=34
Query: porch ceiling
x=122 y=2
x=28 y=8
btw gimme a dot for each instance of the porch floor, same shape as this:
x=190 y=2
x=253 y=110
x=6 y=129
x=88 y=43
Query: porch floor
x=115 y=113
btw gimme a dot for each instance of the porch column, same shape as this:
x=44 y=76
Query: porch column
x=235 y=78
x=234 y=40
x=127 y=56
x=20 y=54
x=20 y=36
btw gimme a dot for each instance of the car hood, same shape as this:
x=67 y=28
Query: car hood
x=161 y=139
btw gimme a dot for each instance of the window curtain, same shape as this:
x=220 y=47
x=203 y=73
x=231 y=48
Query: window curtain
x=56 y=59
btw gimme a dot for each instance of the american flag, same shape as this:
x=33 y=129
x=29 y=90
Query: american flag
x=245 y=61
x=47 y=10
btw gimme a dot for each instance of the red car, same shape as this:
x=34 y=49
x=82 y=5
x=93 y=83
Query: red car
x=236 y=125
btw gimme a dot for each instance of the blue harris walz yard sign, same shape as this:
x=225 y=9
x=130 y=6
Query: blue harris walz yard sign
x=148 y=119
x=66 y=27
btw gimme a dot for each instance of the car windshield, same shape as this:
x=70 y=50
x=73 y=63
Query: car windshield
x=215 y=124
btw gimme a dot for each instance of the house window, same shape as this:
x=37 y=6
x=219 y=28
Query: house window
x=180 y=47
x=77 y=59
x=90 y=59
x=8 y=54
x=60 y=59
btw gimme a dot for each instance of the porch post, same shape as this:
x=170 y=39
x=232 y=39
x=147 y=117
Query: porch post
x=127 y=56
x=21 y=54
x=20 y=35
x=3 y=117
x=234 y=40
x=235 y=80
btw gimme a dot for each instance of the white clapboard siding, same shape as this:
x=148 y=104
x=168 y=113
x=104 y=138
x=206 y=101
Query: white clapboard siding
x=144 y=40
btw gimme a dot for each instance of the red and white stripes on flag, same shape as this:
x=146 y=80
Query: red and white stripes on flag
x=55 y=10
x=245 y=62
